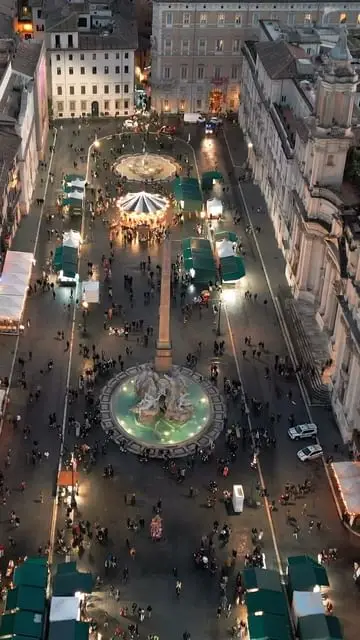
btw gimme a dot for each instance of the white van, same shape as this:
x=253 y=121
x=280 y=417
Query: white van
x=194 y=118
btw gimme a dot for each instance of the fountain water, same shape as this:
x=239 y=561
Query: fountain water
x=146 y=166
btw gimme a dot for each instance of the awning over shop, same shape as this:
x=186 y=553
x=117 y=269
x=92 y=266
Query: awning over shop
x=21 y=623
x=69 y=629
x=347 y=475
x=265 y=601
x=69 y=580
x=65 y=260
x=304 y=574
x=225 y=235
x=209 y=177
x=199 y=259
x=268 y=627
x=256 y=578
x=232 y=268
x=31 y=574
x=320 y=627
x=187 y=193
x=26 y=599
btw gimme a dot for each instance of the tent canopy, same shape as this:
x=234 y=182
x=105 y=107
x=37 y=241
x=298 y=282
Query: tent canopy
x=347 y=475
x=225 y=235
x=75 y=203
x=74 y=177
x=232 y=268
x=320 y=627
x=187 y=192
x=69 y=581
x=26 y=599
x=268 y=627
x=21 y=623
x=64 y=608
x=91 y=291
x=208 y=178
x=304 y=573
x=198 y=255
x=66 y=260
x=31 y=574
x=225 y=248
x=19 y=262
x=72 y=239
x=214 y=206
x=266 y=601
x=143 y=202
x=69 y=629
x=73 y=188
x=261 y=579
x=307 y=603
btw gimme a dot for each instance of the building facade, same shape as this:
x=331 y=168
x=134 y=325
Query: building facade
x=196 y=47
x=297 y=113
x=91 y=56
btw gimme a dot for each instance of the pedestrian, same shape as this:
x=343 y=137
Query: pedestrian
x=178 y=588
x=132 y=553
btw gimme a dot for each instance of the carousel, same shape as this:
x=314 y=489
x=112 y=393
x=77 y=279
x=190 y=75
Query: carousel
x=143 y=212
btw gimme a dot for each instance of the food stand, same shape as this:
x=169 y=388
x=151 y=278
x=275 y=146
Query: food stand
x=214 y=208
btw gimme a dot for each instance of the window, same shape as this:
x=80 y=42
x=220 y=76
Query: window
x=94 y=71
x=70 y=56
x=221 y=19
x=82 y=22
x=126 y=68
x=117 y=69
x=199 y=104
x=217 y=73
x=106 y=105
x=71 y=71
x=72 y=90
x=106 y=70
x=168 y=47
x=186 y=19
x=126 y=55
x=94 y=89
x=70 y=41
x=57 y=45
x=203 y=19
x=126 y=104
x=83 y=105
x=358 y=19
x=236 y=46
x=106 y=88
x=117 y=104
x=117 y=56
x=82 y=71
x=255 y=19
x=94 y=56
x=184 y=72
x=126 y=88
x=234 y=71
x=330 y=160
x=166 y=104
x=82 y=57
x=59 y=91
x=106 y=56
x=283 y=99
x=58 y=57
x=167 y=73
x=72 y=105
x=238 y=20
x=219 y=46
x=185 y=47
x=182 y=105
x=343 y=17
x=169 y=19
x=60 y=106
x=117 y=88
x=200 y=72
x=39 y=14
x=83 y=89
x=58 y=71
x=291 y=18
x=307 y=18
x=202 y=47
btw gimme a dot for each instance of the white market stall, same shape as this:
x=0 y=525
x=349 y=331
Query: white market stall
x=214 y=208
x=91 y=291
x=64 y=608
x=72 y=239
x=14 y=283
x=306 y=603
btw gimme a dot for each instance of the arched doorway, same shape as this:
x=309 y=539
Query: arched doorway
x=95 y=109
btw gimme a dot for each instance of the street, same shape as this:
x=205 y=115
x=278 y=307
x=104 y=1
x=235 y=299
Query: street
x=186 y=519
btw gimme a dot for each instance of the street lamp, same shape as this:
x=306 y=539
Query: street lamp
x=73 y=470
x=85 y=306
x=218 y=328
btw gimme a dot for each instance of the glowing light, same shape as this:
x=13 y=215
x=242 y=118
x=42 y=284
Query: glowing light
x=124 y=388
x=192 y=273
x=250 y=145
x=228 y=296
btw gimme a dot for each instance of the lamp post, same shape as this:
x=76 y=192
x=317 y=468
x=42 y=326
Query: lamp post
x=85 y=306
x=218 y=328
x=73 y=470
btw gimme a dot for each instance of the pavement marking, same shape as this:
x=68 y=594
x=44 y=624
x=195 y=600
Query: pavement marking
x=286 y=336
x=12 y=368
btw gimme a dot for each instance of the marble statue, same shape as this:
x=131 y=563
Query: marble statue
x=166 y=395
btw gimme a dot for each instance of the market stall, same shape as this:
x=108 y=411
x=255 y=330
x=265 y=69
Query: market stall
x=210 y=178
x=320 y=627
x=143 y=211
x=305 y=574
x=65 y=264
x=231 y=265
x=187 y=194
x=74 y=180
x=214 y=208
x=198 y=260
x=14 y=284
x=306 y=603
x=347 y=477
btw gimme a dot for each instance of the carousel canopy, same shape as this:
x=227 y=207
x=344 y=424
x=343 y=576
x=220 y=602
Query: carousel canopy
x=143 y=202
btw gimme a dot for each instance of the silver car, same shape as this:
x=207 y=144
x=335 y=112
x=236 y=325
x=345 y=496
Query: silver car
x=303 y=431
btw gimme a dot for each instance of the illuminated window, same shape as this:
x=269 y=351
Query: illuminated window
x=236 y=46
x=221 y=19
x=182 y=105
x=358 y=19
x=307 y=18
x=186 y=19
x=238 y=20
x=343 y=17
x=219 y=46
x=203 y=19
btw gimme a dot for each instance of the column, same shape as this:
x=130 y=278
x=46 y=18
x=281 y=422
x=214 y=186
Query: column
x=163 y=357
x=304 y=265
x=352 y=394
x=325 y=289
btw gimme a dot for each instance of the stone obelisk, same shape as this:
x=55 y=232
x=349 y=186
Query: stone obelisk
x=163 y=357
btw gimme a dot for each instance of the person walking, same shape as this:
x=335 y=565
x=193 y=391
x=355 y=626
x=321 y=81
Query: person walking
x=178 y=588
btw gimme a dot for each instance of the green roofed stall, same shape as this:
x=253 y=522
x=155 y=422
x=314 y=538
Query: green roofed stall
x=21 y=623
x=304 y=573
x=265 y=601
x=319 y=627
x=198 y=257
x=268 y=627
x=31 y=574
x=187 y=193
x=225 y=235
x=26 y=599
x=256 y=578
x=66 y=260
x=74 y=177
x=69 y=630
x=209 y=177
x=68 y=580
x=232 y=268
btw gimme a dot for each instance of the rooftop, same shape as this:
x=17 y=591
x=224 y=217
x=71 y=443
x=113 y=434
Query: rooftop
x=27 y=57
x=11 y=101
x=9 y=147
x=280 y=58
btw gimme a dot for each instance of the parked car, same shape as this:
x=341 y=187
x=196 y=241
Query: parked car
x=311 y=452
x=303 y=431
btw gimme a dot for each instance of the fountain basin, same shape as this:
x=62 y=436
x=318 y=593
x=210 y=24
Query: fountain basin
x=140 y=167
